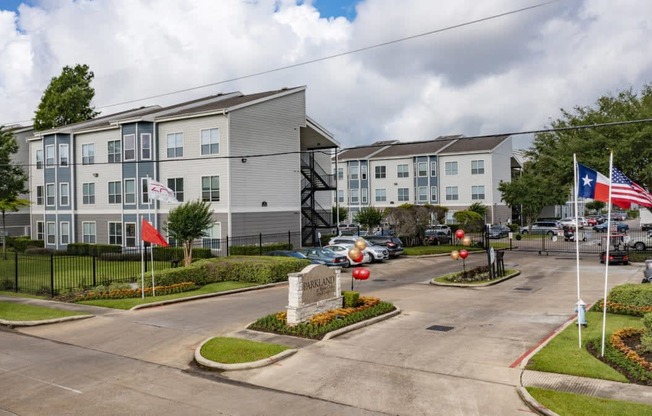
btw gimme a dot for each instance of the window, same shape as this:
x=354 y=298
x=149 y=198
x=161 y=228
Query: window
x=88 y=193
x=477 y=167
x=144 y=186
x=340 y=196
x=353 y=172
x=433 y=168
x=210 y=142
x=423 y=193
x=64 y=232
x=175 y=145
x=433 y=193
x=130 y=191
x=115 y=151
x=210 y=188
x=213 y=235
x=39 y=195
x=88 y=154
x=40 y=230
x=451 y=168
x=176 y=184
x=64 y=194
x=364 y=195
x=39 y=159
x=354 y=196
x=49 y=156
x=115 y=192
x=340 y=174
x=363 y=172
x=145 y=146
x=451 y=193
x=115 y=233
x=51 y=236
x=130 y=146
x=63 y=154
x=381 y=195
x=422 y=169
x=477 y=192
x=130 y=234
x=381 y=172
x=402 y=171
x=88 y=232
x=49 y=195
x=403 y=194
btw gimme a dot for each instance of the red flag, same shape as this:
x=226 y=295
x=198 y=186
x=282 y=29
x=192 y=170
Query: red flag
x=151 y=234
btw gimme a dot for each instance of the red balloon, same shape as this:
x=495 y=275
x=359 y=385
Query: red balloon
x=361 y=273
x=359 y=258
x=459 y=234
x=464 y=254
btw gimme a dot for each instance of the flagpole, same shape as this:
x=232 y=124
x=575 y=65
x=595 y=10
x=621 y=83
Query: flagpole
x=149 y=214
x=606 y=256
x=577 y=249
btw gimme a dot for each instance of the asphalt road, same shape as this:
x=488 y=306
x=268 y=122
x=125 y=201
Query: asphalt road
x=449 y=352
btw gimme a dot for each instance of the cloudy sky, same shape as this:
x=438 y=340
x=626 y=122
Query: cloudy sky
x=506 y=74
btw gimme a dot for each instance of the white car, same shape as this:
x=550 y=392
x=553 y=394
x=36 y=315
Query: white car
x=570 y=222
x=343 y=249
x=377 y=253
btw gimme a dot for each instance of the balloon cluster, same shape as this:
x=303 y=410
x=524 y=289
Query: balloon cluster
x=356 y=253
x=466 y=241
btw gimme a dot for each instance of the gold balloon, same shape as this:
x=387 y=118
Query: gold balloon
x=360 y=243
x=466 y=241
x=354 y=252
x=455 y=254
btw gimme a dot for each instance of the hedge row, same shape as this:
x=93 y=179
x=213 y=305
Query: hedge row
x=20 y=244
x=257 y=250
x=631 y=295
x=160 y=254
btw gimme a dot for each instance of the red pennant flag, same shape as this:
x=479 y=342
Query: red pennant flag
x=151 y=234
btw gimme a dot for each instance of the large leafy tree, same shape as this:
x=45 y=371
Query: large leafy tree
x=369 y=217
x=12 y=183
x=67 y=99
x=410 y=221
x=188 y=222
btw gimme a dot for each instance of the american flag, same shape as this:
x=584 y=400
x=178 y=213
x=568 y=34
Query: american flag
x=624 y=192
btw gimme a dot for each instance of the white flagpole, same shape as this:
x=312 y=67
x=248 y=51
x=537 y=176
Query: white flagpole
x=577 y=249
x=606 y=257
x=151 y=251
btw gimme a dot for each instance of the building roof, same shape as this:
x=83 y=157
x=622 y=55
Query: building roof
x=427 y=147
x=474 y=144
x=364 y=152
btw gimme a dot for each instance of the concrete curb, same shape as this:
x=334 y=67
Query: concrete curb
x=204 y=362
x=533 y=404
x=13 y=324
x=359 y=325
x=494 y=282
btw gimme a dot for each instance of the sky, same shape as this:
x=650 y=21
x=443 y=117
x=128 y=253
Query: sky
x=405 y=70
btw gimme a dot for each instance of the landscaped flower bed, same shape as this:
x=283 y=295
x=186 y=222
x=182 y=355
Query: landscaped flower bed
x=123 y=292
x=624 y=354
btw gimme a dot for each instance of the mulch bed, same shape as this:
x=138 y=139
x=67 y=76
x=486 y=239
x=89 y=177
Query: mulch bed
x=632 y=342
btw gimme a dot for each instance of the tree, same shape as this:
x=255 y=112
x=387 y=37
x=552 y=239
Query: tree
x=469 y=221
x=439 y=212
x=596 y=206
x=339 y=214
x=13 y=182
x=410 y=221
x=67 y=99
x=369 y=217
x=480 y=208
x=188 y=222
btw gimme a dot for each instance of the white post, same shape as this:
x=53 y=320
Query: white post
x=606 y=257
x=577 y=247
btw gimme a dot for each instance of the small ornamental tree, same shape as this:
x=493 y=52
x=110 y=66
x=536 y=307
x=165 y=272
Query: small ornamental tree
x=188 y=222
x=369 y=217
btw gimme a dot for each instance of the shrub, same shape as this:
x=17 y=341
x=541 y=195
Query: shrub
x=622 y=357
x=102 y=292
x=6 y=284
x=350 y=298
x=476 y=274
x=646 y=337
x=86 y=249
x=41 y=251
x=20 y=244
x=621 y=309
x=631 y=294
x=257 y=250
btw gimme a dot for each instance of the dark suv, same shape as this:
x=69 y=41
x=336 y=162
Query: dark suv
x=394 y=244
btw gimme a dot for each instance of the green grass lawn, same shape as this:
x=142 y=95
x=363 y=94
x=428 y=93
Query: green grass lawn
x=234 y=350
x=131 y=302
x=11 y=311
x=569 y=404
x=563 y=355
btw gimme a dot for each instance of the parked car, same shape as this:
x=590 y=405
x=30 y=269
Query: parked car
x=641 y=243
x=378 y=253
x=618 y=216
x=498 y=231
x=394 y=244
x=343 y=249
x=437 y=237
x=329 y=257
x=592 y=220
x=567 y=222
x=543 y=227
x=620 y=227
x=295 y=254
x=441 y=227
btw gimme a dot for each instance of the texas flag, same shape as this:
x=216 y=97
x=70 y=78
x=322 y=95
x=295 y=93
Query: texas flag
x=592 y=184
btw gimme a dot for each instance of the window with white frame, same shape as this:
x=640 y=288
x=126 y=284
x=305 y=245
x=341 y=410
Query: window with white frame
x=50 y=197
x=130 y=234
x=88 y=154
x=130 y=191
x=49 y=156
x=353 y=172
x=340 y=196
x=51 y=234
x=451 y=193
x=380 y=172
x=115 y=192
x=145 y=146
x=64 y=155
x=477 y=167
x=88 y=193
x=422 y=169
x=144 y=191
x=364 y=193
x=363 y=172
x=433 y=168
x=176 y=184
x=354 y=196
x=402 y=171
x=210 y=142
x=129 y=146
x=40 y=230
x=64 y=232
x=381 y=195
x=64 y=194
x=39 y=159
x=403 y=194
x=210 y=188
x=433 y=194
x=115 y=233
x=213 y=235
x=175 y=145
x=422 y=192
x=88 y=232
x=39 y=195
x=114 y=148
x=477 y=192
x=450 y=168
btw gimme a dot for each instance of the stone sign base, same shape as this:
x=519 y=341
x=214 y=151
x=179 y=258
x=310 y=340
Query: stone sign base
x=315 y=289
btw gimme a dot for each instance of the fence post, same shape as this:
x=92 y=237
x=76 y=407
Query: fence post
x=260 y=244
x=16 y=271
x=94 y=271
x=52 y=275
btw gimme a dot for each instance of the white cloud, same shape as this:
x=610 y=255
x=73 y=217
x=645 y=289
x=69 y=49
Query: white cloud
x=501 y=75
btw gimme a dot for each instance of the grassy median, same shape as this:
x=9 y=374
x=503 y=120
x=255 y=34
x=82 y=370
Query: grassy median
x=12 y=311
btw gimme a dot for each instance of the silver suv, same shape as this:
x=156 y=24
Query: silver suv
x=377 y=253
x=543 y=227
